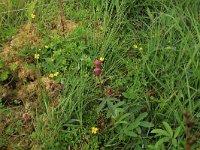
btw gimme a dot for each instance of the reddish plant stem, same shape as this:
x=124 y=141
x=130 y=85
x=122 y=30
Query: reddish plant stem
x=189 y=123
x=188 y=145
x=60 y=2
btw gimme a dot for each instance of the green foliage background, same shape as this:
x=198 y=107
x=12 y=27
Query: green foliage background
x=156 y=84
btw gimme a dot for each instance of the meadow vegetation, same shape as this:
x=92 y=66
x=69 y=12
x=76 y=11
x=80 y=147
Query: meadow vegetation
x=99 y=74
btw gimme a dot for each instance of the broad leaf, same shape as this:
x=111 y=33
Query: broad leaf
x=174 y=142
x=133 y=125
x=161 y=141
x=176 y=134
x=168 y=128
x=160 y=132
x=146 y=124
x=130 y=133
x=120 y=120
x=141 y=117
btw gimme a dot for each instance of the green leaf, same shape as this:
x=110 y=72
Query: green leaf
x=150 y=14
x=133 y=125
x=4 y=76
x=13 y=66
x=111 y=108
x=151 y=147
x=9 y=131
x=120 y=119
x=130 y=133
x=160 y=132
x=174 y=142
x=101 y=106
x=137 y=122
x=139 y=131
x=141 y=117
x=119 y=104
x=1 y=64
x=113 y=99
x=161 y=141
x=168 y=128
x=177 y=132
x=146 y=124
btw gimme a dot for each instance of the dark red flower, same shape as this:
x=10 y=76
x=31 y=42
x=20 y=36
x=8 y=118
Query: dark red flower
x=109 y=91
x=97 y=63
x=97 y=71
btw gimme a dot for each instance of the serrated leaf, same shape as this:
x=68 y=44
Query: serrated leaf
x=168 y=128
x=161 y=141
x=130 y=133
x=136 y=123
x=101 y=106
x=141 y=117
x=133 y=125
x=120 y=119
x=177 y=132
x=146 y=124
x=160 y=132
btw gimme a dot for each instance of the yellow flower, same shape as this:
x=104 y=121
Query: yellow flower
x=94 y=130
x=135 y=46
x=33 y=16
x=37 y=56
x=46 y=46
x=140 y=49
x=101 y=59
x=56 y=74
x=51 y=75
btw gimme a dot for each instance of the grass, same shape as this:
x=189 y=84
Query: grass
x=149 y=77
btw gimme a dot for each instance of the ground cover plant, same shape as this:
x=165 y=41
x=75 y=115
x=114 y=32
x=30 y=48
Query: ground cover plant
x=109 y=74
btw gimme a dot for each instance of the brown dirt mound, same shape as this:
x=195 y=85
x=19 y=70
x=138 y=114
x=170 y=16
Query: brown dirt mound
x=21 y=92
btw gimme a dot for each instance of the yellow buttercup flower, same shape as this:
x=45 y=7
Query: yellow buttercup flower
x=135 y=46
x=101 y=59
x=36 y=56
x=46 y=46
x=33 y=16
x=140 y=49
x=94 y=130
x=56 y=74
x=51 y=75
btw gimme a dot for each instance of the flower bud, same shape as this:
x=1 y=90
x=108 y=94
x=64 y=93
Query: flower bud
x=97 y=71
x=109 y=91
x=97 y=63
